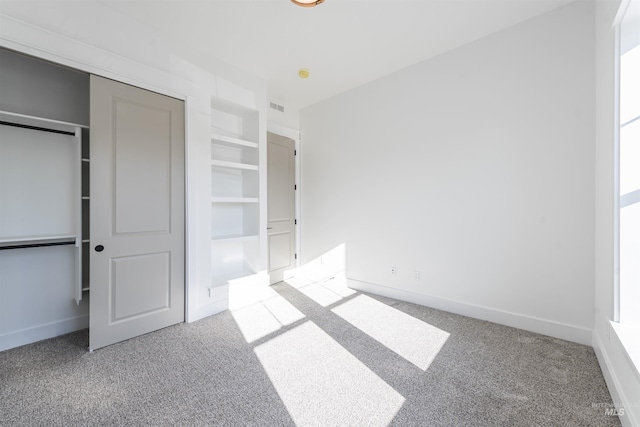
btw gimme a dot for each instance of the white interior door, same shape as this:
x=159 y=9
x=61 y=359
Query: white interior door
x=137 y=212
x=281 y=230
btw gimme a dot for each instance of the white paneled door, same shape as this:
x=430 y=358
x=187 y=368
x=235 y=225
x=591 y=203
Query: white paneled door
x=281 y=206
x=137 y=212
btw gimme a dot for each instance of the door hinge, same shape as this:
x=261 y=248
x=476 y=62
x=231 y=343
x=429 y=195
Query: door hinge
x=296 y=256
x=295 y=152
x=295 y=187
x=295 y=222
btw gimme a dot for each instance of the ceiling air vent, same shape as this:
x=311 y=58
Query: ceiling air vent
x=276 y=107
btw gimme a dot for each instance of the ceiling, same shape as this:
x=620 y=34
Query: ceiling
x=344 y=43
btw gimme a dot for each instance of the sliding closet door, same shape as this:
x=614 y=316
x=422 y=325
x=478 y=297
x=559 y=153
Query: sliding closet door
x=137 y=212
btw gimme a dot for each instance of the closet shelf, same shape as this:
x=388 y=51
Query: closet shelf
x=233 y=165
x=232 y=142
x=234 y=200
x=40 y=122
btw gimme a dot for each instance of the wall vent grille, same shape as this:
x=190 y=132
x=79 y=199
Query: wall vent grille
x=276 y=107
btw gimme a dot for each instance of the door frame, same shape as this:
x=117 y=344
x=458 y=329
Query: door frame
x=281 y=130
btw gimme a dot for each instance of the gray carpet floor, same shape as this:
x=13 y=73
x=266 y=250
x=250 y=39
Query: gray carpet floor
x=327 y=363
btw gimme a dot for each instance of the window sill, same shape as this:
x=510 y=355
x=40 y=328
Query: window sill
x=629 y=336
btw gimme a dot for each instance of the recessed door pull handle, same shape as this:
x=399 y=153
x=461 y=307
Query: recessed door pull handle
x=99 y=248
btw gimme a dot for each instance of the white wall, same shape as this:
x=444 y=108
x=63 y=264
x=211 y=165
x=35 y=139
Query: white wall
x=622 y=377
x=475 y=168
x=289 y=118
x=94 y=38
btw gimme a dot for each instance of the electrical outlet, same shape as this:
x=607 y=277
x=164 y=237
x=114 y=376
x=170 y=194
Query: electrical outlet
x=393 y=271
x=416 y=275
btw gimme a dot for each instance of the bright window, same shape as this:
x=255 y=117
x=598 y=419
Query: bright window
x=629 y=167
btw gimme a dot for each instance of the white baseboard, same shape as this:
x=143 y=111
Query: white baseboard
x=613 y=384
x=217 y=306
x=236 y=294
x=43 y=332
x=533 y=324
x=613 y=371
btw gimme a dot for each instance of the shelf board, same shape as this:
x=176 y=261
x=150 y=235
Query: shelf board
x=86 y=160
x=85 y=197
x=234 y=200
x=233 y=165
x=23 y=119
x=234 y=238
x=233 y=142
x=35 y=240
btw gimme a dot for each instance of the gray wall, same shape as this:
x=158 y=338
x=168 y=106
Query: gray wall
x=38 y=88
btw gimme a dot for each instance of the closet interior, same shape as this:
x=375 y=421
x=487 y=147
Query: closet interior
x=44 y=199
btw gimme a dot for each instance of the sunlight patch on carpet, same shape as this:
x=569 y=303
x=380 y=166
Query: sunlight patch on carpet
x=320 y=294
x=322 y=384
x=416 y=341
x=265 y=317
x=326 y=292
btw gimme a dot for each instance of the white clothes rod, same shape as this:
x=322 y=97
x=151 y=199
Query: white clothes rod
x=39 y=122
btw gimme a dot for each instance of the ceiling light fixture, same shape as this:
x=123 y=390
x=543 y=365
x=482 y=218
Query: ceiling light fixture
x=307 y=3
x=303 y=73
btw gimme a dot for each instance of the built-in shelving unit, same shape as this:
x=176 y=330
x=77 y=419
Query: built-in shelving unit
x=235 y=192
